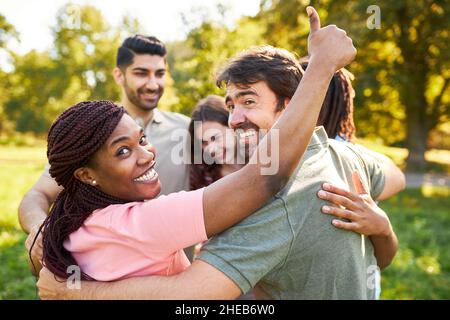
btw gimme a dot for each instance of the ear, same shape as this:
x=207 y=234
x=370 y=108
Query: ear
x=118 y=76
x=86 y=175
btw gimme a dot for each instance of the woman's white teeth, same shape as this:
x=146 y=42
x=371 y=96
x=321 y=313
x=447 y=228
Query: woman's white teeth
x=247 y=134
x=149 y=175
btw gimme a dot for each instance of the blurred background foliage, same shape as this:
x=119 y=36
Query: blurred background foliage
x=402 y=69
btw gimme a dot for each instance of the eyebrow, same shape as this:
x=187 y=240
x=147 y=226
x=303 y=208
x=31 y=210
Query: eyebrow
x=122 y=138
x=241 y=94
x=146 y=70
x=140 y=69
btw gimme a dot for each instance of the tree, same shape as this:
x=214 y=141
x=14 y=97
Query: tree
x=402 y=68
x=7 y=33
x=195 y=61
x=85 y=49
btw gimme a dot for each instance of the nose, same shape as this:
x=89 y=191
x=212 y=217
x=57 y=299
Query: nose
x=236 y=118
x=211 y=149
x=146 y=155
x=152 y=83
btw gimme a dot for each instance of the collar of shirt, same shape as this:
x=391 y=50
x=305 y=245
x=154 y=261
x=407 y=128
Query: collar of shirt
x=157 y=118
x=319 y=138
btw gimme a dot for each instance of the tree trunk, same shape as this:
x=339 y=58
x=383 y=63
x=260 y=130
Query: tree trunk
x=416 y=138
x=413 y=80
x=416 y=120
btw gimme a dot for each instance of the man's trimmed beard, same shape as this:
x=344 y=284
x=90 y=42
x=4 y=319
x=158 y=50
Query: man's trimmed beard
x=133 y=97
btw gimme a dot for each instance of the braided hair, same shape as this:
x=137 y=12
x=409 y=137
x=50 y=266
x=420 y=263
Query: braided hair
x=336 y=114
x=73 y=139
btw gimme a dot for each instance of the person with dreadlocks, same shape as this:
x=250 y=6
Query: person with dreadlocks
x=140 y=73
x=336 y=115
x=101 y=221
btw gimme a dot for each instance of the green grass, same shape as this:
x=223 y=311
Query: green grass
x=19 y=169
x=421 y=219
x=421 y=269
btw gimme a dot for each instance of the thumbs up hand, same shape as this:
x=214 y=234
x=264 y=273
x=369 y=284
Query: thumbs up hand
x=360 y=213
x=330 y=46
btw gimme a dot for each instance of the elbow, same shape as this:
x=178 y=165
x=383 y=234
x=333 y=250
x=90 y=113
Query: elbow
x=401 y=180
x=386 y=262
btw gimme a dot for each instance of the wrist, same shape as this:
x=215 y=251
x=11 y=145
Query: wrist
x=321 y=67
x=387 y=231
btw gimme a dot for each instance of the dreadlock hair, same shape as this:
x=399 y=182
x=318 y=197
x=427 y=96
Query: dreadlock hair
x=336 y=114
x=211 y=108
x=139 y=44
x=72 y=141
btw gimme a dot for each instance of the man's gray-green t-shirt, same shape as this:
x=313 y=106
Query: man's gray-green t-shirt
x=289 y=249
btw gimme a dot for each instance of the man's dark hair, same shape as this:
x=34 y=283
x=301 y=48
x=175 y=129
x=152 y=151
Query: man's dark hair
x=139 y=44
x=279 y=68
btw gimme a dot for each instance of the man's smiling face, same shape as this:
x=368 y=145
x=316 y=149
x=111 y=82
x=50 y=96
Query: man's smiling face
x=252 y=108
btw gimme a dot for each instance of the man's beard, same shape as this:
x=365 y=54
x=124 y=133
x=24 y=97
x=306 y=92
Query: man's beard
x=133 y=97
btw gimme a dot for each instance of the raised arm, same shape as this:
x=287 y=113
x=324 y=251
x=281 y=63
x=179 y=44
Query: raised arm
x=329 y=49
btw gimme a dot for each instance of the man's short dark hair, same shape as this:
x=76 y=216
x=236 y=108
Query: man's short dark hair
x=139 y=44
x=279 y=68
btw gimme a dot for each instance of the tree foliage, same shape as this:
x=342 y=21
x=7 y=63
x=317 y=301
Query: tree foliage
x=402 y=69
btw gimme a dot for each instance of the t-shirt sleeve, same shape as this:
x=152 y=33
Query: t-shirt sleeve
x=373 y=168
x=251 y=249
x=165 y=224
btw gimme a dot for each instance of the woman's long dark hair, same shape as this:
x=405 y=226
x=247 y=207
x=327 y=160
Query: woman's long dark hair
x=73 y=139
x=336 y=114
x=212 y=108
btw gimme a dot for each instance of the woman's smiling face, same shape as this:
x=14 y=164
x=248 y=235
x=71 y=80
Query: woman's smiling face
x=124 y=166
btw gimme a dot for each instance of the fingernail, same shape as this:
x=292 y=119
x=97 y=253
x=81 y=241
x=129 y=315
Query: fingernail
x=308 y=11
x=326 y=186
x=335 y=222
x=322 y=194
x=326 y=209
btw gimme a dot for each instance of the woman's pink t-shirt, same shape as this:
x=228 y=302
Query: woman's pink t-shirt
x=139 y=238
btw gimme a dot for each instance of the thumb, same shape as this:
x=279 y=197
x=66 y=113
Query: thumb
x=314 y=20
x=358 y=184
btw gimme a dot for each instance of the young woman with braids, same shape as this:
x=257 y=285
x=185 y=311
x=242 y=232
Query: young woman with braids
x=101 y=221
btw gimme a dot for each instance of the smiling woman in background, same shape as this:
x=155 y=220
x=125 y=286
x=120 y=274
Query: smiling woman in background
x=217 y=142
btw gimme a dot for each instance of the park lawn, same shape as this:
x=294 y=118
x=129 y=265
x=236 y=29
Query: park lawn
x=20 y=167
x=421 y=268
x=421 y=218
